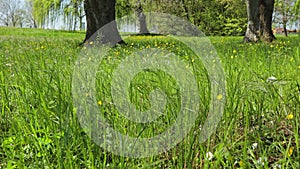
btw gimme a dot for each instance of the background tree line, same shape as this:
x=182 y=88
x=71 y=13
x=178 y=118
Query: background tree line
x=213 y=17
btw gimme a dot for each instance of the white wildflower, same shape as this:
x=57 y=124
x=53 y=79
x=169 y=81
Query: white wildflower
x=254 y=146
x=209 y=156
x=271 y=79
x=261 y=161
x=276 y=166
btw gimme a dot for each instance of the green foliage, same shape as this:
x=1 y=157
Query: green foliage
x=124 y=7
x=73 y=11
x=39 y=126
x=216 y=17
x=286 y=11
x=297 y=7
x=43 y=9
x=235 y=26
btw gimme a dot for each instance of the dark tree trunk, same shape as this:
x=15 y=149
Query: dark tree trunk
x=34 y=24
x=259 y=20
x=143 y=24
x=100 y=18
x=266 y=8
x=142 y=19
x=284 y=29
x=253 y=21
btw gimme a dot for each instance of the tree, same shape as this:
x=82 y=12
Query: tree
x=285 y=12
x=259 y=20
x=141 y=18
x=297 y=12
x=214 y=17
x=100 y=18
x=11 y=12
x=45 y=11
x=73 y=12
x=29 y=18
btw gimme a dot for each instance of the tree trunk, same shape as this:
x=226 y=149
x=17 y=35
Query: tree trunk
x=266 y=8
x=80 y=23
x=34 y=24
x=142 y=19
x=75 y=23
x=100 y=18
x=259 y=20
x=253 y=21
x=284 y=29
x=143 y=24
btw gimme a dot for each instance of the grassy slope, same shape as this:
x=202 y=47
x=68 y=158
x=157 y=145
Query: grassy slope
x=39 y=127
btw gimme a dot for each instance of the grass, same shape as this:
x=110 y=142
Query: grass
x=40 y=129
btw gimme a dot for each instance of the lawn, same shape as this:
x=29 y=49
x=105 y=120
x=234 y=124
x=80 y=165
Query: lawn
x=40 y=128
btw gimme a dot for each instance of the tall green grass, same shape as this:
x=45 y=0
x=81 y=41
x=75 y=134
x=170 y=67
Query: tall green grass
x=39 y=126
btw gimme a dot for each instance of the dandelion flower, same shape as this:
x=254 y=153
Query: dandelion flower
x=290 y=151
x=99 y=102
x=241 y=164
x=290 y=116
x=220 y=96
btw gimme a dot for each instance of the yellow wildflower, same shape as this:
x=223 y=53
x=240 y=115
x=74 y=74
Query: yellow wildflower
x=220 y=96
x=234 y=51
x=290 y=151
x=241 y=163
x=290 y=116
x=99 y=102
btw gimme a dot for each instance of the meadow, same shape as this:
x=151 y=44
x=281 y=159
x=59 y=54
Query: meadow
x=39 y=127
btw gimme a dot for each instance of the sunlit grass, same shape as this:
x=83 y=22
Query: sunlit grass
x=39 y=127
